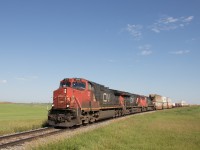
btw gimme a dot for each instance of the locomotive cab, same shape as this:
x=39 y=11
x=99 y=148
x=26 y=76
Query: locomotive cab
x=72 y=97
x=69 y=91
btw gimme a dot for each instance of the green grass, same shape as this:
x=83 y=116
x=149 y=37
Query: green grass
x=177 y=129
x=21 y=117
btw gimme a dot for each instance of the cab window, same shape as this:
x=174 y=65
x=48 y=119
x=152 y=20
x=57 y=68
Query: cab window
x=79 y=85
x=65 y=84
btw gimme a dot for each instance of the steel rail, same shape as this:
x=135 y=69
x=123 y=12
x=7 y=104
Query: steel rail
x=23 y=133
x=4 y=140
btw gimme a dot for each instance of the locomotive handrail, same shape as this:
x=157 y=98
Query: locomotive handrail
x=79 y=105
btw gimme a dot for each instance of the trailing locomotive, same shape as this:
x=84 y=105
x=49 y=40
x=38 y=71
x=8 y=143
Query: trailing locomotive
x=78 y=101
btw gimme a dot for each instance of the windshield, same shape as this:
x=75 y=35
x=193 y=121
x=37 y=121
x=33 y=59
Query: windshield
x=65 y=84
x=78 y=85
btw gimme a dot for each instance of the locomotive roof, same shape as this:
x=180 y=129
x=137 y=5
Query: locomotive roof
x=117 y=92
x=94 y=83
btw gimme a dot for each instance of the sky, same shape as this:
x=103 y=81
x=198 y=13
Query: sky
x=137 y=46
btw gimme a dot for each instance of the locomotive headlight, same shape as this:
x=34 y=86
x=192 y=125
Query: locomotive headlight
x=67 y=106
x=52 y=105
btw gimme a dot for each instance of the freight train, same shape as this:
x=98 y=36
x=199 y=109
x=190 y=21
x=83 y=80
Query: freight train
x=79 y=101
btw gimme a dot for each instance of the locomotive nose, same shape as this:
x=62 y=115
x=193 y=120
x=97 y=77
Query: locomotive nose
x=61 y=98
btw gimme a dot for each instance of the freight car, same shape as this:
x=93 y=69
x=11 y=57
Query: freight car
x=169 y=103
x=181 y=104
x=161 y=102
x=157 y=100
x=78 y=101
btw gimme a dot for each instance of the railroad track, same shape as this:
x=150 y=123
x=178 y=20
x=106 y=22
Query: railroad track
x=22 y=137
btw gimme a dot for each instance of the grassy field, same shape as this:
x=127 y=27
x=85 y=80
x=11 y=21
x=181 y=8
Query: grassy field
x=21 y=117
x=177 y=129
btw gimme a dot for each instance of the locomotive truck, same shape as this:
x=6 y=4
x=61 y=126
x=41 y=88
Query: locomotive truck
x=79 y=101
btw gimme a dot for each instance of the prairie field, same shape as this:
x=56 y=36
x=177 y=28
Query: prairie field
x=177 y=129
x=21 y=117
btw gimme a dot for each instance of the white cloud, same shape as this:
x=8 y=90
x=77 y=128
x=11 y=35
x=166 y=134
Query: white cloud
x=165 y=23
x=188 y=19
x=3 y=81
x=168 y=20
x=170 y=23
x=135 y=30
x=181 y=52
x=145 y=50
x=156 y=30
x=145 y=47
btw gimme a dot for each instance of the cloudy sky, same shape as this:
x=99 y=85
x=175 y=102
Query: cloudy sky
x=137 y=46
